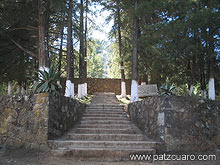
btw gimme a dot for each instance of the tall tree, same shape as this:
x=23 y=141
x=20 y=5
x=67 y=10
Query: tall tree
x=212 y=63
x=85 y=49
x=81 y=89
x=134 y=83
x=42 y=22
x=70 y=55
x=61 y=48
x=123 y=85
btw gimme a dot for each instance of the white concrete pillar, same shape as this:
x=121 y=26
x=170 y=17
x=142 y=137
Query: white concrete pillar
x=10 y=88
x=86 y=92
x=79 y=91
x=123 y=89
x=212 y=89
x=191 y=90
x=69 y=90
x=134 y=91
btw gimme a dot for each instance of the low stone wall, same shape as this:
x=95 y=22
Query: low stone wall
x=64 y=114
x=182 y=123
x=23 y=123
x=30 y=122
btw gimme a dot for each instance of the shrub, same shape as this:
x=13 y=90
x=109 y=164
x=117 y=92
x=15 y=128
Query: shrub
x=46 y=81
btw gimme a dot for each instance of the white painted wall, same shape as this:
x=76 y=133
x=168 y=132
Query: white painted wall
x=134 y=91
x=212 y=89
x=69 y=91
x=123 y=89
x=191 y=90
x=83 y=89
x=86 y=93
x=79 y=91
x=9 y=88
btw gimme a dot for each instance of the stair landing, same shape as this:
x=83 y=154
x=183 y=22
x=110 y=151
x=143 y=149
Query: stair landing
x=104 y=133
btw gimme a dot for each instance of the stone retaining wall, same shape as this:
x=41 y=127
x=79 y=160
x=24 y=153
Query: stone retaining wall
x=182 y=123
x=64 y=114
x=30 y=122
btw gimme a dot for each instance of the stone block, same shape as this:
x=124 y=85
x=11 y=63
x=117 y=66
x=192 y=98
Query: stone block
x=147 y=90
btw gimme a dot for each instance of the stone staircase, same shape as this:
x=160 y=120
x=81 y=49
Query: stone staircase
x=104 y=133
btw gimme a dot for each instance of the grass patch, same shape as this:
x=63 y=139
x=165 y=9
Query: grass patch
x=86 y=100
x=123 y=100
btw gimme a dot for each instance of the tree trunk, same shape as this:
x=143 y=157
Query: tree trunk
x=81 y=54
x=191 y=90
x=144 y=80
x=134 y=83
x=211 y=79
x=85 y=50
x=43 y=59
x=18 y=91
x=202 y=77
x=23 y=91
x=212 y=63
x=61 y=50
x=47 y=19
x=60 y=54
x=70 y=56
x=9 y=88
x=123 y=85
x=203 y=85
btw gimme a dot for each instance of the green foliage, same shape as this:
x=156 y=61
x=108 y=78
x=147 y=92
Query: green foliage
x=113 y=64
x=3 y=89
x=47 y=81
x=86 y=100
x=95 y=59
x=168 y=89
x=173 y=37
x=176 y=40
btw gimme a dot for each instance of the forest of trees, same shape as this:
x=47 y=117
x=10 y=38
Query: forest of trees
x=154 y=41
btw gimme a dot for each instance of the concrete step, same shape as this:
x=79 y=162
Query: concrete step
x=105 y=106
x=105 y=109
x=103 y=115
x=105 y=137
x=109 y=109
x=104 y=118
x=105 y=122
x=112 y=126
x=100 y=153
x=104 y=131
x=105 y=112
x=102 y=144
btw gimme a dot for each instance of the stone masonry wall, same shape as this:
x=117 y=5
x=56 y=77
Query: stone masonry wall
x=182 y=123
x=30 y=122
x=23 y=123
x=64 y=114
